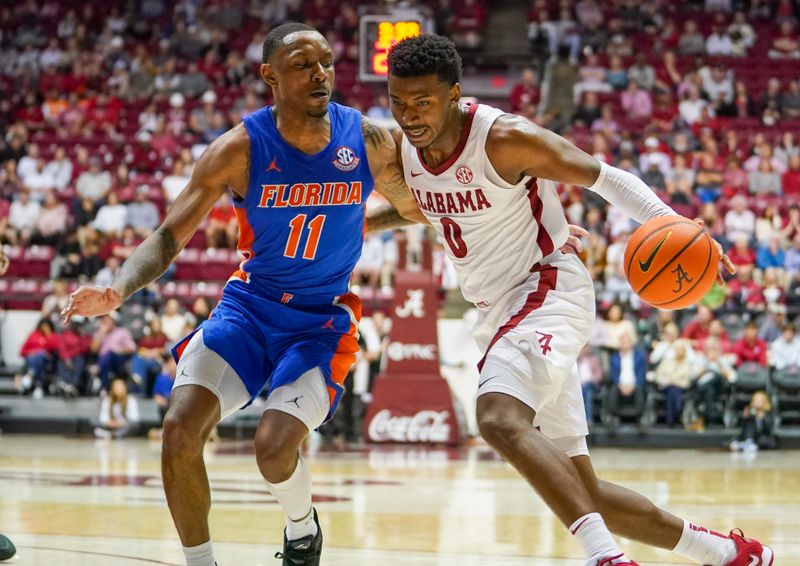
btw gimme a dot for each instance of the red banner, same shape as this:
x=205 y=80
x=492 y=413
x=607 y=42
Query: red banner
x=411 y=401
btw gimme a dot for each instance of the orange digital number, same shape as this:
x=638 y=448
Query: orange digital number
x=388 y=34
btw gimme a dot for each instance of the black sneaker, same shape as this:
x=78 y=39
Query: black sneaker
x=303 y=551
x=7 y=549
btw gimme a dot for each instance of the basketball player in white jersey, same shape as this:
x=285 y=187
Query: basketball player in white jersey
x=483 y=180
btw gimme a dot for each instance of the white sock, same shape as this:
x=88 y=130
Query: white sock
x=200 y=555
x=294 y=495
x=705 y=546
x=596 y=540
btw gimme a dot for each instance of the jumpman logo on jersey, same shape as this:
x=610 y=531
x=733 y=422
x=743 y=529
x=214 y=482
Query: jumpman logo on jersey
x=329 y=324
x=295 y=401
x=273 y=166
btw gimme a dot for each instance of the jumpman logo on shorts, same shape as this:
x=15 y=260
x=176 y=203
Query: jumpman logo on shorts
x=295 y=401
x=183 y=373
x=329 y=324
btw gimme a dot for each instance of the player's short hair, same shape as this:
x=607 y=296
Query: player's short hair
x=275 y=37
x=423 y=55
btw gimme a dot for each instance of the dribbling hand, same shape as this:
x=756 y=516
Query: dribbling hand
x=91 y=301
x=4 y=263
x=573 y=244
x=723 y=257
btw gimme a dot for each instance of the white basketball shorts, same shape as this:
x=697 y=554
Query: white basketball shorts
x=307 y=398
x=532 y=337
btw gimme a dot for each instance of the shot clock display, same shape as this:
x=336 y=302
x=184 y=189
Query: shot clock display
x=377 y=35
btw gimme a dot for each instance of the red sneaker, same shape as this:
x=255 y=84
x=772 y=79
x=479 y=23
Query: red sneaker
x=610 y=562
x=749 y=552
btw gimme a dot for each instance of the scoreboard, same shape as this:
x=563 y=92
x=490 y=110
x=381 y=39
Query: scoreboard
x=377 y=34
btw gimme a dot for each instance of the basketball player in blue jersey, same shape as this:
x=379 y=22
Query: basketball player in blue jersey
x=300 y=173
x=479 y=175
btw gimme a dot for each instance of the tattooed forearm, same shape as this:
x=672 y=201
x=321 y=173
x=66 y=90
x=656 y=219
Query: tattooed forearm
x=375 y=136
x=385 y=217
x=147 y=262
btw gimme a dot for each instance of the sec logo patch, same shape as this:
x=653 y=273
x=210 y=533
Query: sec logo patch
x=346 y=159
x=464 y=175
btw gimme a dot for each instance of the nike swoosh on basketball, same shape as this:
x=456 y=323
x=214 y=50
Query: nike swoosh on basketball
x=416 y=174
x=645 y=266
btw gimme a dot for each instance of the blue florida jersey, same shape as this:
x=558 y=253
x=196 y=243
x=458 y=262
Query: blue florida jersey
x=302 y=221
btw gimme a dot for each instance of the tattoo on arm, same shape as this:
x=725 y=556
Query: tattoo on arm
x=374 y=135
x=385 y=217
x=147 y=262
x=393 y=183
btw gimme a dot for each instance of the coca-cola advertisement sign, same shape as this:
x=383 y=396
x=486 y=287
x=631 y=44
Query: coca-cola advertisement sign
x=413 y=408
x=425 y=426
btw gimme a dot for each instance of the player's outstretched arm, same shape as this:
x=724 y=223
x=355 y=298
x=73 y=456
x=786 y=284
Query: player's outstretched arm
x=224 y=164
x=517 y=147
x=385 y=163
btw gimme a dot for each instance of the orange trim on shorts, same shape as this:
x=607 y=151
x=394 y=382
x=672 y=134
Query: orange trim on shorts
x=351 y=301
x=182 y=346
x=343 y=360
x=239 y=274
x=347 y=348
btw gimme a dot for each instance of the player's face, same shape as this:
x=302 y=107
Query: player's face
x=421 y=106
x=301 y=73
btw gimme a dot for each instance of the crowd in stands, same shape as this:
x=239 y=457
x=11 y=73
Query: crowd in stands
x=104 y=110
x=701 y=100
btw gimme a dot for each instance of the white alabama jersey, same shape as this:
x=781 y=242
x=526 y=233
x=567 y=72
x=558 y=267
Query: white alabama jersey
x=494 y=232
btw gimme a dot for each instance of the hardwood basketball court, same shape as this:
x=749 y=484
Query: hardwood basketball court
x=74 y=501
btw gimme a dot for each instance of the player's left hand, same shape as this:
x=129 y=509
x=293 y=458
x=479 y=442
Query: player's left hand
x=90 y=301
x=573 y=244
x=4 y=262
x=723 y=257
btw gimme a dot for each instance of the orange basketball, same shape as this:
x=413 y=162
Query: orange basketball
x=671 y=262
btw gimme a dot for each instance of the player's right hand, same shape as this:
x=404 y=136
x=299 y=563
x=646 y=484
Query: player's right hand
x=91 y=301
x=723 y=257
x=4 y=263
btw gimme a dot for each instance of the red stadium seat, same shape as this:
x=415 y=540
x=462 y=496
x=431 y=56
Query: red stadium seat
x=188 y=265
x=5 y=285
x=175 y=290
x=17 y=267
x=209 y=290
x=24 y=294
x=198 y=240
x=216 y=265
x=37 y=261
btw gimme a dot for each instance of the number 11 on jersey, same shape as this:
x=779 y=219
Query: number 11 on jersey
x=314 y=230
